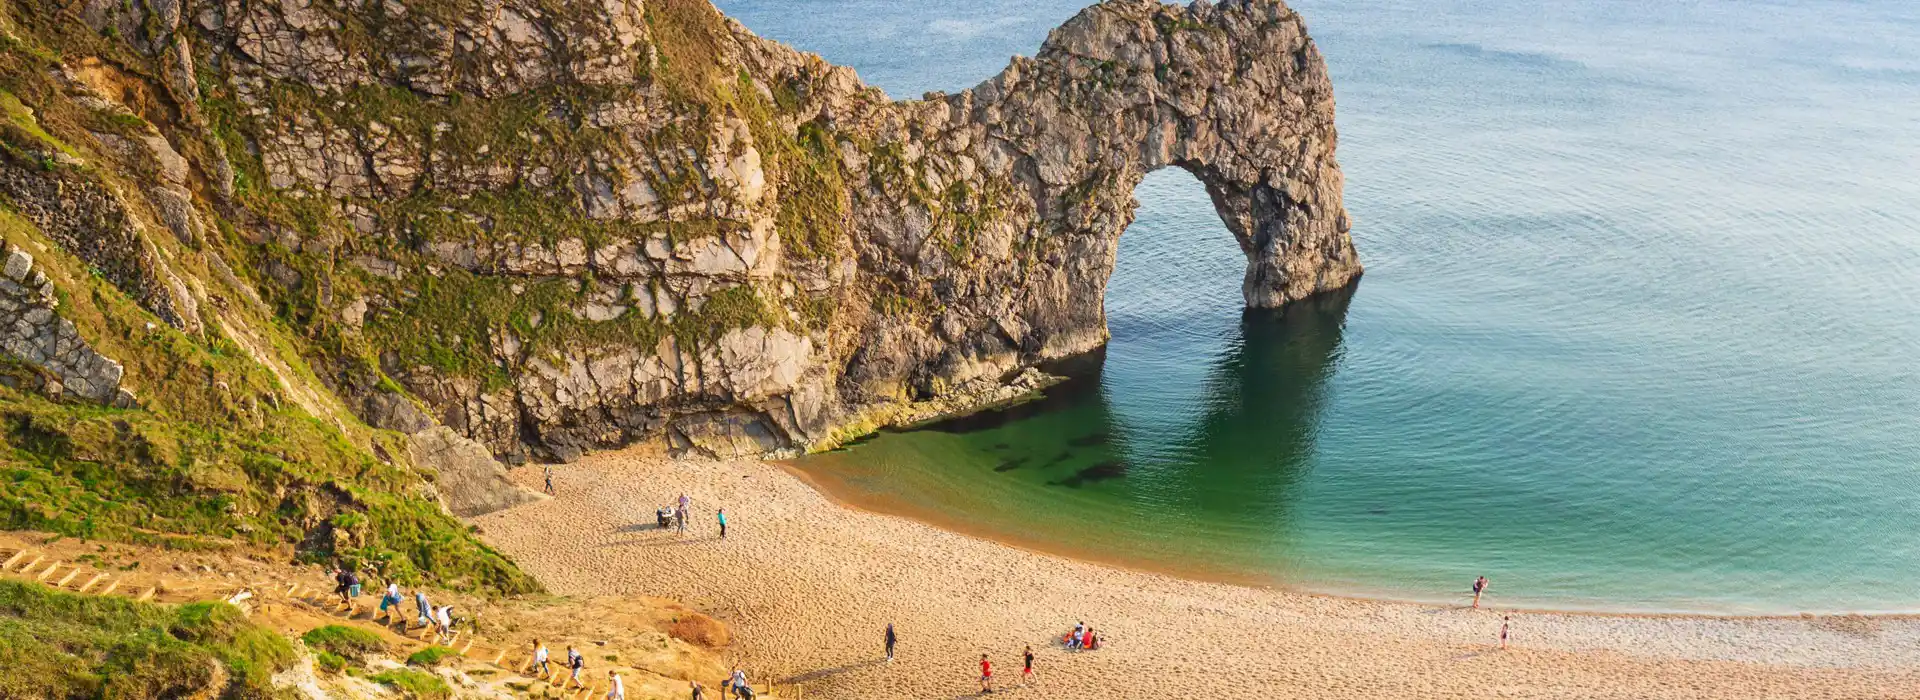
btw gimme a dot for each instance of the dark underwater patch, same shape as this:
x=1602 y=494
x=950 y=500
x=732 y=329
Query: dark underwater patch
x=1104 y=471
x=1089 y=440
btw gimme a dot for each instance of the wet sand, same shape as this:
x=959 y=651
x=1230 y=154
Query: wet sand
x=808 y=585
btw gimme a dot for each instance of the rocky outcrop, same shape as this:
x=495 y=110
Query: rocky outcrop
x=564 y=225
x=32 y=330
x=466 y=477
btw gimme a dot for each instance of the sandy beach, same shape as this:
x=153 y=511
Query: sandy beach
x=808 y=586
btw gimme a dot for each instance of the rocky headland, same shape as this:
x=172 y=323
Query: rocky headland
x=560 y=226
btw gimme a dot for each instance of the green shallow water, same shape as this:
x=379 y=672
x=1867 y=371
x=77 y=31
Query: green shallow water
x=1640 y=328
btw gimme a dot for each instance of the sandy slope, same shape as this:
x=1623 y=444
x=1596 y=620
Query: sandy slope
x=808 y=586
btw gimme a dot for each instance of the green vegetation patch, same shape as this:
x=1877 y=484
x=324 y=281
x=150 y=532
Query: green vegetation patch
x=414 y=684
x=431 y=656
x=349 y=642
x=61 y=645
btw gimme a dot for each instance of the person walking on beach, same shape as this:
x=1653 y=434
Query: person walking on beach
x=549 y=474
x=540 y=659
x=1503 y=630
x=1479 y=586
x=680 y=520
x=576 y=662
x=1026 y=673
x=723 y=523
x=618 y=689
x=891 y=639
x=986 y=674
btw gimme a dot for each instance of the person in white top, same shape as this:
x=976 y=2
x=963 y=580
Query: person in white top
x=445 y=618
x=619 y=689
x=540 y=658
x=740 y=687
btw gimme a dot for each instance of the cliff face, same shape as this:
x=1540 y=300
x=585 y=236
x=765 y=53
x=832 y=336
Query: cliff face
x=558 y=225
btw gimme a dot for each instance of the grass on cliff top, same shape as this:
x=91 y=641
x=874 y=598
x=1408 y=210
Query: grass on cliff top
x=61 y=645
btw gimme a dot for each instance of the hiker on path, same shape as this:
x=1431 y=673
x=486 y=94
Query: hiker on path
x=549 y=474
x=891 y=639
x=695 y=685
x=445 y=619
x=740 y=688
x=723 y=523
x=986 y=674
x=349 y=585
x=1504 y=619
x=540 y=659
x=391 y=599
x=1479 y=586
x=425 y=608
x=619 y=689
x=576 y=662
x=1026 y=674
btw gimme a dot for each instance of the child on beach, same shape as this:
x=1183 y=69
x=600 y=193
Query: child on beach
x=723 y=523
x=890 y=641
x=986 y=674
x=1026 y=674
x=549 y=474
x=1479 y=586
x=1503 y=630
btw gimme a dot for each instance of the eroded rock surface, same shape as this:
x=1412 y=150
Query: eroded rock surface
x=574 y=224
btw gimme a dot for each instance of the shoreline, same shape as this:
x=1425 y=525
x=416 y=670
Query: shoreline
x=806 y=584
x=1205 y=574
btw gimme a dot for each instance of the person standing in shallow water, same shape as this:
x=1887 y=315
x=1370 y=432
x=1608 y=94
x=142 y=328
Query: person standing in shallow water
x=1479 y=586
x=891 y=639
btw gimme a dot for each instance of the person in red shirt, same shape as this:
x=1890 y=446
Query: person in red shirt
x=986 y=674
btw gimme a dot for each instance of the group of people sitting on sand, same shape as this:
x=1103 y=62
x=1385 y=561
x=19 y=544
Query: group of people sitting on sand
x=1082 y=637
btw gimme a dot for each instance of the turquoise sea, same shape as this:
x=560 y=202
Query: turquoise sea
x=1640 y=328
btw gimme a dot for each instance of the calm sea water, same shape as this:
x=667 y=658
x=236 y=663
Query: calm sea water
x=1640 y=327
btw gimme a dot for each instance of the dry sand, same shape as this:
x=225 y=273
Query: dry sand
x=808 y=585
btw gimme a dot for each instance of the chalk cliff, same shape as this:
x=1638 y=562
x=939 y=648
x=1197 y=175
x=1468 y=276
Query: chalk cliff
x=559 y=225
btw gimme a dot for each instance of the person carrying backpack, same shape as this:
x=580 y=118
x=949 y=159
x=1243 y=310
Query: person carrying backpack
x=576 y=662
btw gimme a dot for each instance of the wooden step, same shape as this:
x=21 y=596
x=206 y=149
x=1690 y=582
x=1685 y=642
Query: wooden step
x=89 y=584
x=44 y=573
x=17 y=556
x=64 y=580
